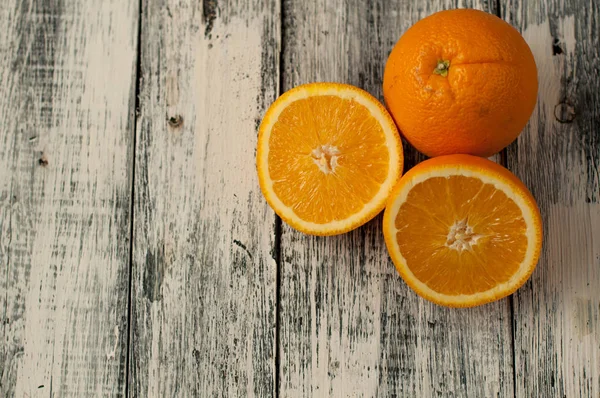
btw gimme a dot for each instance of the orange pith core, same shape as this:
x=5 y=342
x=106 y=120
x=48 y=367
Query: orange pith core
x=460 y=235
x=327 y=157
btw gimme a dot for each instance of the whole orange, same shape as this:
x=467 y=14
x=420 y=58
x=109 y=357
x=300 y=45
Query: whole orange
x=461 y=81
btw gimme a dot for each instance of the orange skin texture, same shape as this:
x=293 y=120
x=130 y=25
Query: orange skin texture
x=486 y=98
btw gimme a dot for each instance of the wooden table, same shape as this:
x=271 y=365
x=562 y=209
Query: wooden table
x=139 y=258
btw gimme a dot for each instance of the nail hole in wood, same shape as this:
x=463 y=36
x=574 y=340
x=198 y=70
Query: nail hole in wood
x=556 y=49
x=564 y=112
x=175 y=121
x=43 y=160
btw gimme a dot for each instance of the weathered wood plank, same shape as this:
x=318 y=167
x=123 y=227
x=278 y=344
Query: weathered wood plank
x=66 y=103
x=557 y=313
x=349 y=324
x=204 y=274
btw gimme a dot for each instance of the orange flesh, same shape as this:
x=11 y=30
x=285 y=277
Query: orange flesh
x=327 y=158
x=488 y=226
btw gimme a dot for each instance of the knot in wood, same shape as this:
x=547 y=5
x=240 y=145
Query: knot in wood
x=564 y=112
x=175 y=121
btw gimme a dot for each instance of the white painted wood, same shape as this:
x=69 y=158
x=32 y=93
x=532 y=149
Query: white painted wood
x=204 y=271
x=349 y=324
x=557 y=313
x=66 y=104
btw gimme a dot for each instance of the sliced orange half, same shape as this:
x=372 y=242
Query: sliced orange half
x=328 y=156
x=462 y=230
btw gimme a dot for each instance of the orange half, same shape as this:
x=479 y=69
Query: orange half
x=328 y=156
x=462 y=230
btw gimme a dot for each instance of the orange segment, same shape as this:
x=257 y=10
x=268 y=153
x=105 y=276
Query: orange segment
x=328 y=155
x=462 y=230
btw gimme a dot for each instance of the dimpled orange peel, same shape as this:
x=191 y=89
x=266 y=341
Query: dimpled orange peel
x=460 y=81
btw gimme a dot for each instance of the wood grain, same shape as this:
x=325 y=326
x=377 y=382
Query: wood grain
x=557 y=313
x=204 y=270
x=349 y=324
x=66 y=103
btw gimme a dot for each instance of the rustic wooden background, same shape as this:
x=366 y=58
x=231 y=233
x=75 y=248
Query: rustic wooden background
x=138 y=257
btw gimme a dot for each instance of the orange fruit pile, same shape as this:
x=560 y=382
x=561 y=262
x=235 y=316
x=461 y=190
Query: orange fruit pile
x=460 y=81
x=460 y=229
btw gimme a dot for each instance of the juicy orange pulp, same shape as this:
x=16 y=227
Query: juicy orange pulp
x=462 y=230
x=327 y=158
x=461 y=236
